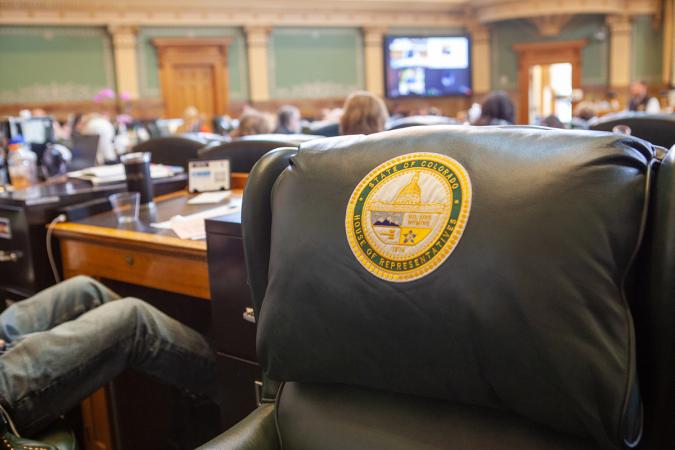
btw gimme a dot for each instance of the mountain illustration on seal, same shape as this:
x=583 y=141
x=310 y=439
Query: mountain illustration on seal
x=392 y=221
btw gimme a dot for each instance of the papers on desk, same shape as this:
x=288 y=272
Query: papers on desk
x=193 y=226
x=115 y=173
x=209 y=197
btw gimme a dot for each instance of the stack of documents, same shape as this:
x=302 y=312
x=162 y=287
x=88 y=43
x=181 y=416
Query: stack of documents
x=115 y=173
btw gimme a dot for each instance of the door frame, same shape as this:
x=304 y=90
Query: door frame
x=177 y=51
x=542 y=53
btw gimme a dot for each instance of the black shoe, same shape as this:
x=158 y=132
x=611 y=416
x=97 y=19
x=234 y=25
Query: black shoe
x=10 y=439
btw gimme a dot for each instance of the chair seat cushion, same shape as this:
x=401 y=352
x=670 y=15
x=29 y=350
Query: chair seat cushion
x=483 y=266
x=60 y=437
x=337 y=417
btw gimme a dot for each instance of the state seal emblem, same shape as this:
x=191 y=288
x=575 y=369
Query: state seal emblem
x=407 y=215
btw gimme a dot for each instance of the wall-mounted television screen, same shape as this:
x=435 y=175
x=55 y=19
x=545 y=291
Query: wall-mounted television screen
x=427 y=66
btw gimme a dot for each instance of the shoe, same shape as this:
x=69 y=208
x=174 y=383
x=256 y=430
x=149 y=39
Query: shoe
x=10 y=439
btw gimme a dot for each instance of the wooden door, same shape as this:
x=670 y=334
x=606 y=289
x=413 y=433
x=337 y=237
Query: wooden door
x=193 y=72
x=544 y=53
x=193 y=85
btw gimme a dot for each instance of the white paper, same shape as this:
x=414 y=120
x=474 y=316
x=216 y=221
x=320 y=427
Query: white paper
x=189 y=229
x=115 y=173
x=209 y=197
x=193 y=226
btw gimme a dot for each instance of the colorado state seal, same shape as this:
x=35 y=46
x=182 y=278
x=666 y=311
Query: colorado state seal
x=407 y=215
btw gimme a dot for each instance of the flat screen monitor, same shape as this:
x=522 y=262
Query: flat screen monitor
x=37 y=130
x=427 y=66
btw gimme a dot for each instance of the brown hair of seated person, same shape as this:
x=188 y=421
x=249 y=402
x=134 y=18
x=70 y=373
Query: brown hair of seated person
x=252 y=122
x=496 y=109
x=364 y=113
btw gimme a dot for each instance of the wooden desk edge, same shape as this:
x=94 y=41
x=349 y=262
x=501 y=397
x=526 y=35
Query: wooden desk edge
x=73 y=230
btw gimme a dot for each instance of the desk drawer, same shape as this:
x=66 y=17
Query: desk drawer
x=165 y=269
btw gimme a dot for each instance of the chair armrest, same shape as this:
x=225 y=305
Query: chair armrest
x=257 y=431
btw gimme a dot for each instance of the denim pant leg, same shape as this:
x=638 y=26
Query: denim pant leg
x=53 y=306
x=46 y=373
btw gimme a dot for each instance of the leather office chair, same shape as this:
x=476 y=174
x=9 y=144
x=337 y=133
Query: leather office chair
x=325 y=129
x=244 y=152
x=172 y=151
x=462 y=288
x=659 y=129
x=206 y=138
x=416 y=121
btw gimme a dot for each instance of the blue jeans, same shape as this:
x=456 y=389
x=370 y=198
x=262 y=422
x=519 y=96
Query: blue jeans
x=69 y=340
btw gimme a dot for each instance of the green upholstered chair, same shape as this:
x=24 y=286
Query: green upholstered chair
x=462 y=288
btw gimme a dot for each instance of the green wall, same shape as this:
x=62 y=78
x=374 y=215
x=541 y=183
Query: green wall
x=647 y=51
x=54 y=64
x=147 y=58
x=315 y=62
x=595 y=55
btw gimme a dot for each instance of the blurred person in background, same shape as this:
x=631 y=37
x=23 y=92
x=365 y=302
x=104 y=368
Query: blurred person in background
x=364 y=113
x=496 y=109
x=640 y=100
x=584 y=112
x=551 y=121
x=288 y=120
x=252 y=122
x=192 y=121
x=98 y=124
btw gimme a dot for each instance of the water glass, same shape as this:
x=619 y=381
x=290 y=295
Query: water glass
x=126 y=206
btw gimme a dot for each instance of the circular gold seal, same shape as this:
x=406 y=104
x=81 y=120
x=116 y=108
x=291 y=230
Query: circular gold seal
x=407 y=215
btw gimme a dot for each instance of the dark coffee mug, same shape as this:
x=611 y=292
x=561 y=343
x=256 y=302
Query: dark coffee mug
x=137 y=169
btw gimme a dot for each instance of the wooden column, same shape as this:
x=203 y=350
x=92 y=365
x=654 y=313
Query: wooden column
x=668 y=77
x=619 y=51
x=126 y=62
x=256 y=41
x=374 y=59
x=480 y=59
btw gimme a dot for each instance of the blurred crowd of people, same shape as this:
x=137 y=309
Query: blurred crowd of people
x=362 y=113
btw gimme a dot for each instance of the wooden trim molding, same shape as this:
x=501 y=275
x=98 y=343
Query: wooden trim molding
x=541 y=48
x=351 y=13
x=486 y=11
x=162 y=43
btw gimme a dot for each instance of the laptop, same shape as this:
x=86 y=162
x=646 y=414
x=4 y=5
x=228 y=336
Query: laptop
x=83 y=149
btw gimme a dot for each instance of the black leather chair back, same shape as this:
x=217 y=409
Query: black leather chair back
x=416 y=121
x=206 y=138
x=172 y=151
x=498 y=344
x=659 y=129
x=324 y=129
x=244 y=152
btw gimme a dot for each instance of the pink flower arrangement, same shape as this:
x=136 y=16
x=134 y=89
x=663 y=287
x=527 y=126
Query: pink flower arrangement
x=104 y=94
x=109 y=94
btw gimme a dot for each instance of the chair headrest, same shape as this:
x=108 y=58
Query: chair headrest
x=484 y=266
x=413 y=121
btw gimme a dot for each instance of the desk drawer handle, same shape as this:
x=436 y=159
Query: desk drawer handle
x=129 y=260
x=6 y=256
x=248 y=315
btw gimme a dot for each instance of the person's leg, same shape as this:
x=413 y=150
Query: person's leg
x=53 y=306
x=47 y=373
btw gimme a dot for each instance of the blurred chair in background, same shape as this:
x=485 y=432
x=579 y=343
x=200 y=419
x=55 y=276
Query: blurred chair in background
x=244 y=152
x=659 y=129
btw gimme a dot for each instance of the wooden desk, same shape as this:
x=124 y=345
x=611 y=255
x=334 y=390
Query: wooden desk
x=137 y=255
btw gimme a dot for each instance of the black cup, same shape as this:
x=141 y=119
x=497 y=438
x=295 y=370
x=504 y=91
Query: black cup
x=137 y=169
